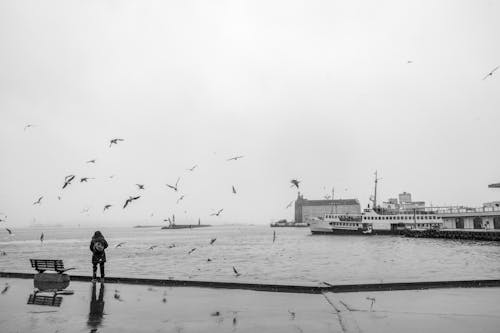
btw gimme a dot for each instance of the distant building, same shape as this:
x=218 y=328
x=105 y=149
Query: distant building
x=305 y=208
x=404 y=197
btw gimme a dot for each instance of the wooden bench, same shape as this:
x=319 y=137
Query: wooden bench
x=42 y=265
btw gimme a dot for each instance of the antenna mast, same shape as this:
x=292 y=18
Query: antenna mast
x=375 y=194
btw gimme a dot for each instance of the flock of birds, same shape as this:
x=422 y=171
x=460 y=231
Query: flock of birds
x=70 y=179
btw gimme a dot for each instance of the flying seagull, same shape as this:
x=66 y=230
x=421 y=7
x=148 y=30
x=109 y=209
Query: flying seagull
x=212 y=240
x=192 y=168
x=119 y=244
x=234 y=190
x=130 y=199
x=491 y=73
x=235 y=158
x=236 y=272
x=114 y=141
x=106 y=207
x=140 y=186
x=153 y=247
x=295 y=183
x=192 y=250
x=218 y=213
x=28 y=126
x=41 y=238
x=67 y=180
x=5 y=289
x=2 y=220
x=9 y=231
x=85 y=179
x=274 y=235
x=290 y=204
x=181 y=197
x=174 y=187
x=91 y=161
x=39 y=201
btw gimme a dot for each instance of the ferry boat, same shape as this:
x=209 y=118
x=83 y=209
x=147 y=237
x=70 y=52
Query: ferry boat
x=375 y=221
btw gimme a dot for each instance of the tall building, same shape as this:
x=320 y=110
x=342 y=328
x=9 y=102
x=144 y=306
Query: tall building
x=305 y=208
x=404 y=197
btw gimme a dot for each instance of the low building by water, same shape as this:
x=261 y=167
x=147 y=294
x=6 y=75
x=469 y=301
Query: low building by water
x=308 y=209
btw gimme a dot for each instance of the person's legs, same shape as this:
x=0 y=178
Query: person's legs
x=102 y=269
x=94 y=270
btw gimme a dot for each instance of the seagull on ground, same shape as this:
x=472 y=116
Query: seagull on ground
x=114 y=141
x=274 y=235
x=218 y=213
x=130 y=199
x=5 y=288
x=67 y=180
x=9 y=231
x=41 y=238
x=39 y=201
x=491 y=73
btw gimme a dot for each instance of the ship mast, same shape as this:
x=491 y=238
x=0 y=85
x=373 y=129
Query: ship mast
x=375 y=192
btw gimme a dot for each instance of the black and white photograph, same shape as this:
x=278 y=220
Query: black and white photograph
x=249 y=166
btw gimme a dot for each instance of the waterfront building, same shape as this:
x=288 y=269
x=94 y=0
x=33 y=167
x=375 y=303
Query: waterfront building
x=307 y=209
x=404 y=197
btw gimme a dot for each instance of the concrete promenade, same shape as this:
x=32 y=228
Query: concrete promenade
x=124 y=307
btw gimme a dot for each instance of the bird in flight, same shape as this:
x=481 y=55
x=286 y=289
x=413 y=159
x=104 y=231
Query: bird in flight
x=234 y=190
x=91 y=161
x=491 y=73
x=295 y=183
x=67 y=180
x=2 y=220
x=39 y=201
x=212 y=240
x=174 y=187
x=28 y=126
x=290 y=204
x=130 y=199
x=41 y=238
x=106 y=207
x=236 y=272
x=192 y=250
x=235 y=158
x=9 y=231
x=119 y=244
x=274 y=236
x=85 y=179
x=192 y=168
x=140 y=186
x=218 y=213
x=5 y=289
x=181 y=197
x=114 y=141
x=153 y=247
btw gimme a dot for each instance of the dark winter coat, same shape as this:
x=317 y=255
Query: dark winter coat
x=98 y=256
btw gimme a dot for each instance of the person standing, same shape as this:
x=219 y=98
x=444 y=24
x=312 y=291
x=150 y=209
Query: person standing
x=97 y=245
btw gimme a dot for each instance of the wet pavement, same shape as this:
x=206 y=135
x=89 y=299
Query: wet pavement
x=122 y=308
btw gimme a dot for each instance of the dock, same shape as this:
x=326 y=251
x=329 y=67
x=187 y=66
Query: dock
x=473 y=234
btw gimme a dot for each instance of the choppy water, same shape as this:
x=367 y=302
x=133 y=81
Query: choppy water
x=295 y=257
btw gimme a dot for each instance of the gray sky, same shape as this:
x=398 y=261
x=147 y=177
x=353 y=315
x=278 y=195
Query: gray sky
x=321 y=91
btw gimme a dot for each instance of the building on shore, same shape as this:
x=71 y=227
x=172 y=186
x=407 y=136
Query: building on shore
x=306 y=209
x=405 y=203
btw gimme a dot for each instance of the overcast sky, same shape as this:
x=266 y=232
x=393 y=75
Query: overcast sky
x=321 y=91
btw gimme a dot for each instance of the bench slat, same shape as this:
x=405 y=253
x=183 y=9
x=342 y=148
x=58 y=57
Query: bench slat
x=47 y=264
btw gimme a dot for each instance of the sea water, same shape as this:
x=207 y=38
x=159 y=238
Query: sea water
x=295 y=256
